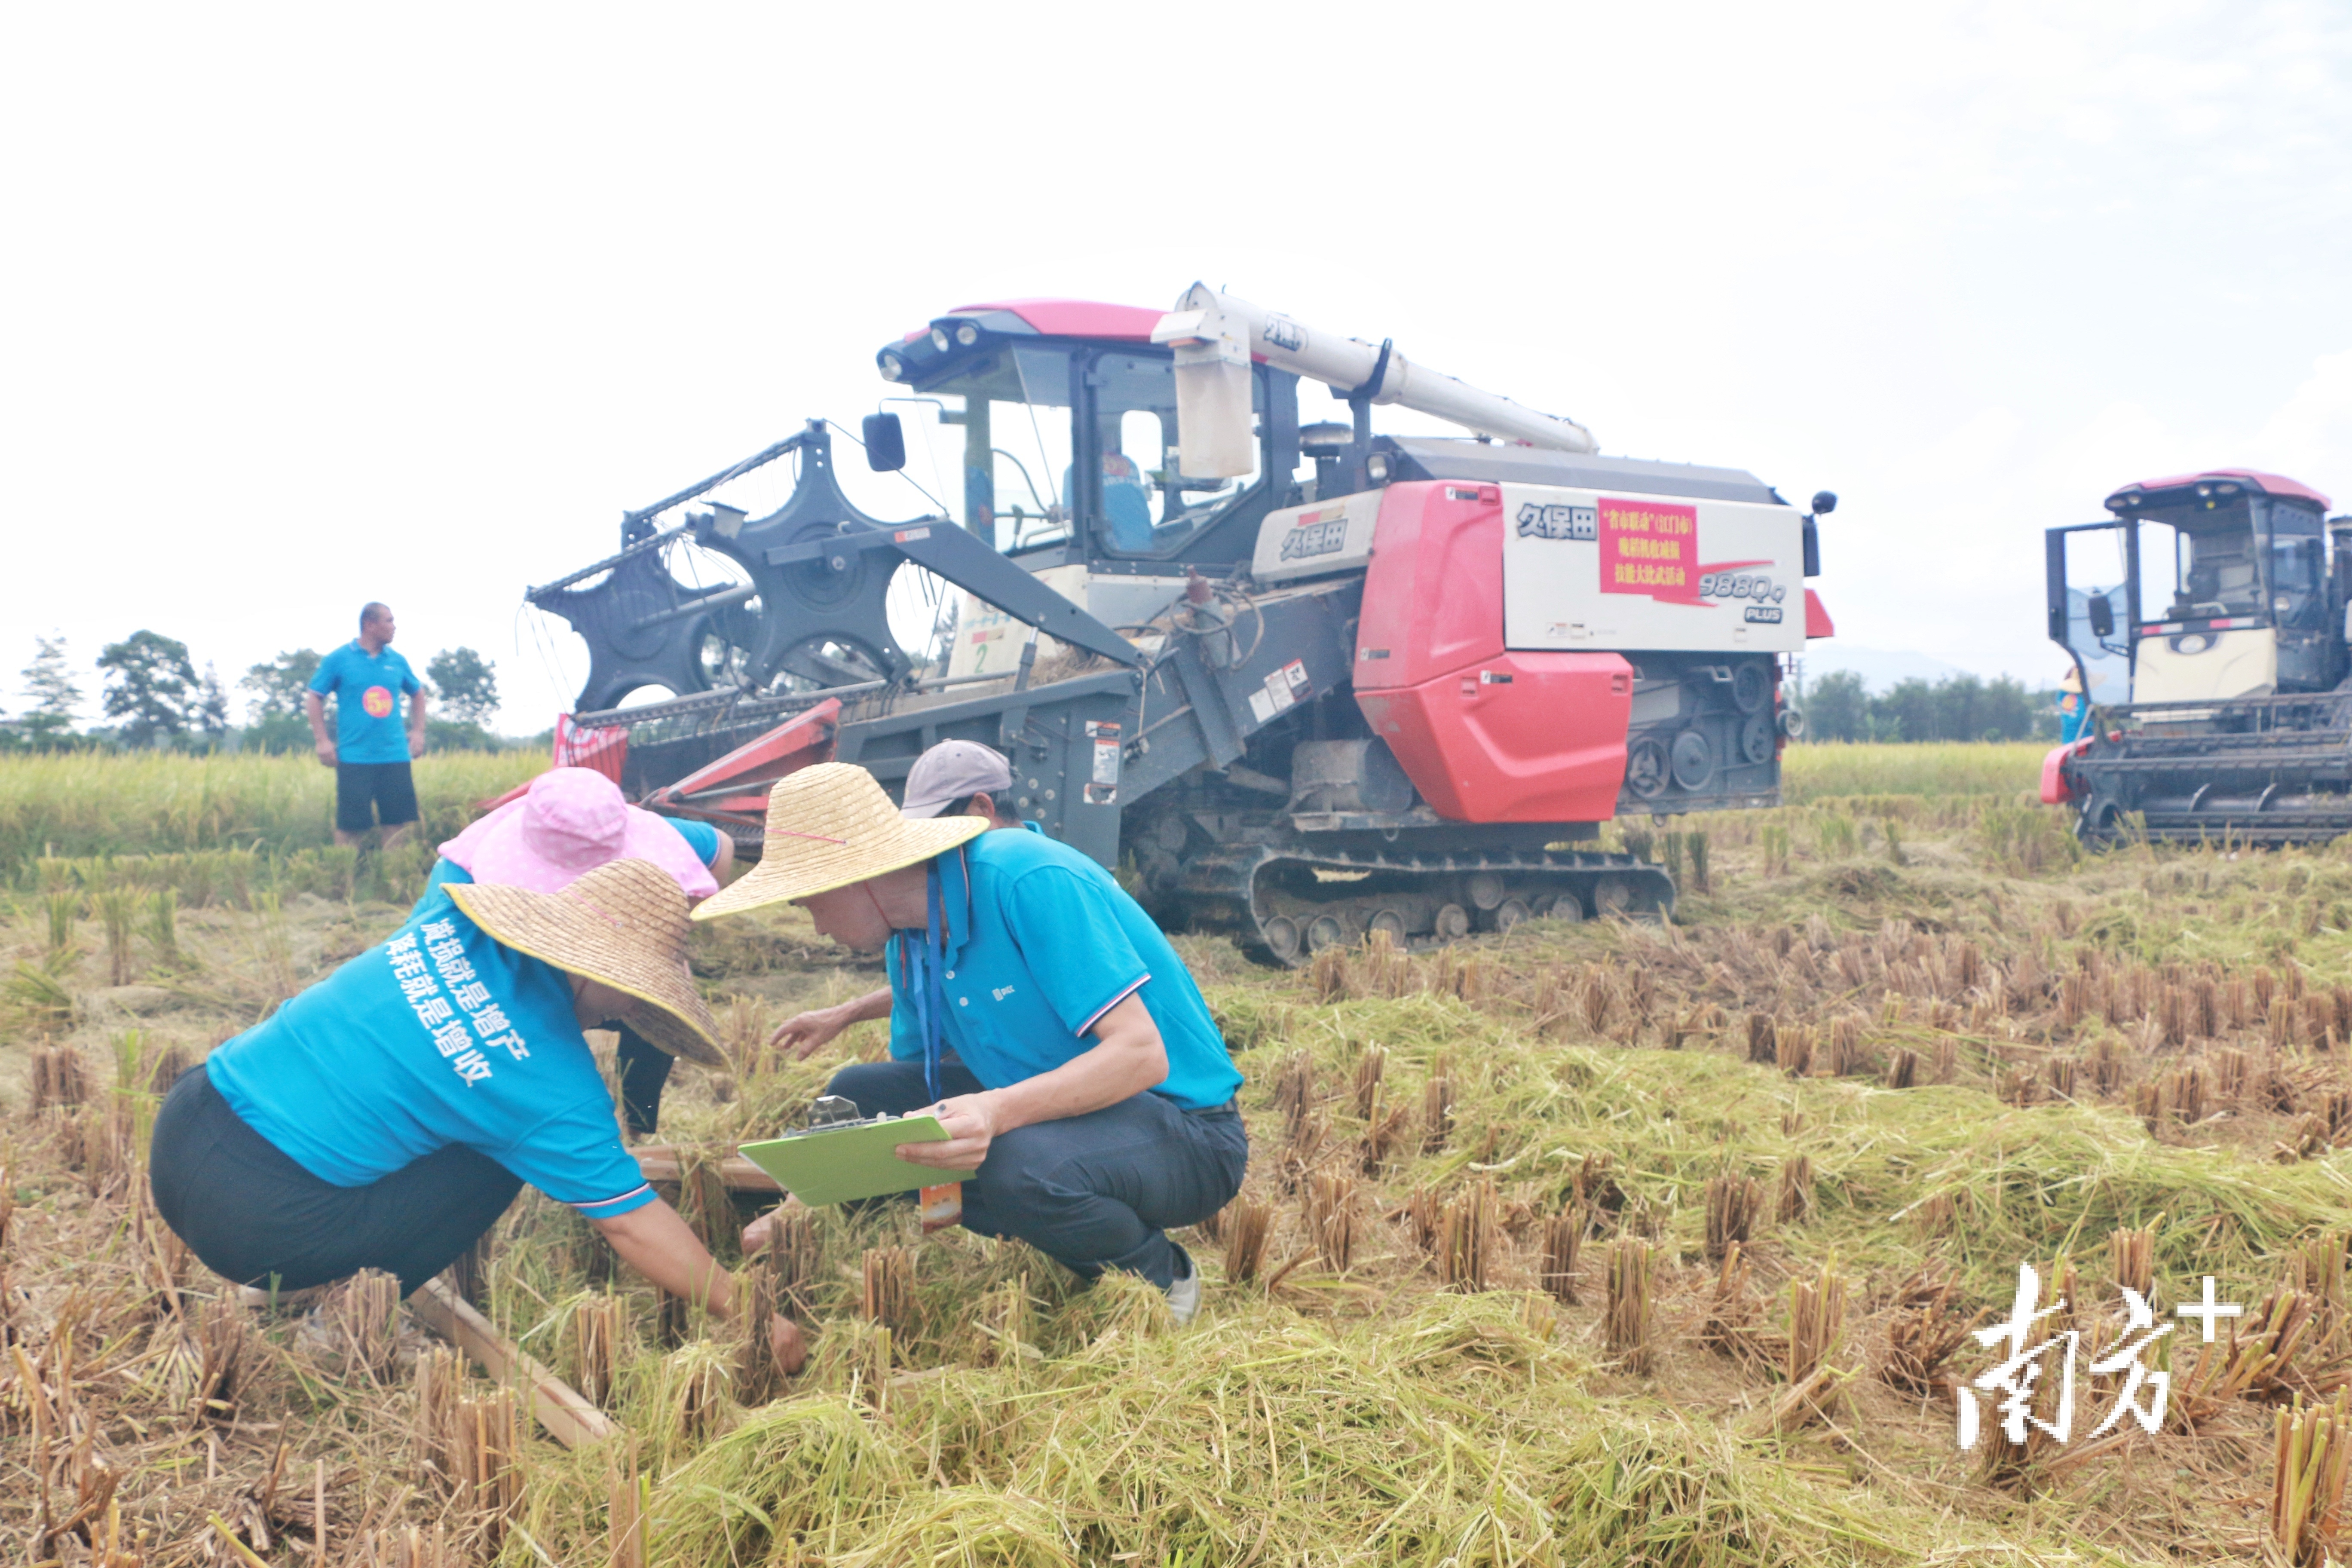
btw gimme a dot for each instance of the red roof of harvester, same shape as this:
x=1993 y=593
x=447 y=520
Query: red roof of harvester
x=2269 y=484
x=1076 y=318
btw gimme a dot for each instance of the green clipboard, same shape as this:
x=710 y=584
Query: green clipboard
x=839 y=1164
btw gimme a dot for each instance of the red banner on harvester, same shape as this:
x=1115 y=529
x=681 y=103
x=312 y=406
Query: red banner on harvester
x=1649 y=547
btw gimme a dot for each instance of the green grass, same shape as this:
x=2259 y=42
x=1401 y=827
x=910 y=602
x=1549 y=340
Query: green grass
x=80 y=804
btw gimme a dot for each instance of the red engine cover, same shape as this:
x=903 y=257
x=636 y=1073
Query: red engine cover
x=1485 y=734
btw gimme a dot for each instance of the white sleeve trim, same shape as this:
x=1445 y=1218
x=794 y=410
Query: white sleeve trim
x=1113 y=1002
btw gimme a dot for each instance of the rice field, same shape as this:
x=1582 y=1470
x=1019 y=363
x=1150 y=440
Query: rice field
x=1596 y=1243
x=97 y=803
x=1931 y=768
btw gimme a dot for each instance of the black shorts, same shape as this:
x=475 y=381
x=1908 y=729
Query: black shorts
x=253 y=1214
x=367 y=793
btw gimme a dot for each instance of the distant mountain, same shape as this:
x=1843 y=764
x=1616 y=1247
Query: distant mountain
x=1878 y=668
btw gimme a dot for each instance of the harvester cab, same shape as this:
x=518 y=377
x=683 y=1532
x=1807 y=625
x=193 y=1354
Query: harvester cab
x=1304 y=683
x=2208 y=616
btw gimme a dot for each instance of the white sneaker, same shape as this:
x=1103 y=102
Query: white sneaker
x=1184 y=1294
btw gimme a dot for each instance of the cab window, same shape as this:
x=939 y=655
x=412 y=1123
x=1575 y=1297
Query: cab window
x=1145 y=506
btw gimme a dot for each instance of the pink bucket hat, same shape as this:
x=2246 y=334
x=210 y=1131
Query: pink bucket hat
x=572 y=821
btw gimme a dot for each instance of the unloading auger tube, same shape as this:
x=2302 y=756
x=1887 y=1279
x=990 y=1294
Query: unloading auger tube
x=1216 y=336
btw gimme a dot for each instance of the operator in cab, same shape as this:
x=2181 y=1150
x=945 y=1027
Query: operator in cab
x=1035 y=1009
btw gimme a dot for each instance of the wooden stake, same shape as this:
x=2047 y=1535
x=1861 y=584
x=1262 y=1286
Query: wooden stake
x=663 y=1162
x=568 y=1419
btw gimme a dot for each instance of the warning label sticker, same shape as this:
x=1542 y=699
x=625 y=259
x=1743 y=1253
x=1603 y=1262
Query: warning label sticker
x=1104 y=736
x=1285 y=688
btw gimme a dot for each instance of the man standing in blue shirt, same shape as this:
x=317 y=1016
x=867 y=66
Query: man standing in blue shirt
x=369 y=751
x=1034 y=1008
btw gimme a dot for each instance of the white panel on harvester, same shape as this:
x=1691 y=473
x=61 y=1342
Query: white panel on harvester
x=1585 y=569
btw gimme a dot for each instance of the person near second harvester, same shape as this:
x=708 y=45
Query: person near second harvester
x=2073 y=704
x=371 y=749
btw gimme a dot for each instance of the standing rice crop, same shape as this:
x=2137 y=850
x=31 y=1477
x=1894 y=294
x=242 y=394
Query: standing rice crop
x=64 y=904
x=163 y=924
x=117 y=911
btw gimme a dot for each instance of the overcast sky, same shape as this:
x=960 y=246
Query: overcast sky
x=308 y=305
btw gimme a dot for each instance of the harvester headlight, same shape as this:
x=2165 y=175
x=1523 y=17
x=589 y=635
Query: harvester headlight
x=940 y=339
x=967 y=334
x=893 y=368
x=1377 y=465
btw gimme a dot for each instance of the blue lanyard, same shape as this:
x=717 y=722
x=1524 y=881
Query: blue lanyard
x=924 y=969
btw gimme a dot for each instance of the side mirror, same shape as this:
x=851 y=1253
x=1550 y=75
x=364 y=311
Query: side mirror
x=2103 y=617
x=885 y=443
x=1824 y=503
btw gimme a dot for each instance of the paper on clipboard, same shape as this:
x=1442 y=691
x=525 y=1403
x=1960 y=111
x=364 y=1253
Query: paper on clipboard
x=842 y=1164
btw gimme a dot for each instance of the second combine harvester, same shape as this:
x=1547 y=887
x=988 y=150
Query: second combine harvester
x=1307 y=681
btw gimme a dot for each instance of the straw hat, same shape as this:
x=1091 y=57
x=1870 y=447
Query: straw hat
x=828 y=827
x=2074 y=681
x=623 y=925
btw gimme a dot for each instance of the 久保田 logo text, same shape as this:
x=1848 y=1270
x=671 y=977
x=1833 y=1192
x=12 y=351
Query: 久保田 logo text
x=1315 y=539
x=1542 y=521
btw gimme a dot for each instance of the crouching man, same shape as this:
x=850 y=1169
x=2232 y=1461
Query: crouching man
x=1036 y=1008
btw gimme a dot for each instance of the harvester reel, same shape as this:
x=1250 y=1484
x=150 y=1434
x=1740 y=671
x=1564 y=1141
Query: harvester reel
x=633 y=638
x=824 y=617
x=816 y=619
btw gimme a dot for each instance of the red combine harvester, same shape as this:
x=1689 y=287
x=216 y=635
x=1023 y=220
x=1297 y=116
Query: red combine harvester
x=2217 y=603
x=1306 y=682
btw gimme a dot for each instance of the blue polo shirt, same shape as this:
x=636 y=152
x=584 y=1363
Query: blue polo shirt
x=1041 y=943
x=368 y=690
x=439 y=1036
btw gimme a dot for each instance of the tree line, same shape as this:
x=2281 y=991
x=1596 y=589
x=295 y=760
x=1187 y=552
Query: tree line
x=151 y=691
x=1840 y=707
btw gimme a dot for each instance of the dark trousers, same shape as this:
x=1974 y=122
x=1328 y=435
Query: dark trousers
x=1093 y=1192
x=643 y=1068
x=254 y=1215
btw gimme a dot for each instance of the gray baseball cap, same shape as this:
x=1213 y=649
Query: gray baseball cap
x=950 y=771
